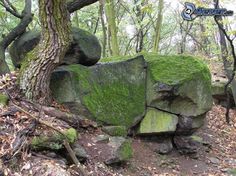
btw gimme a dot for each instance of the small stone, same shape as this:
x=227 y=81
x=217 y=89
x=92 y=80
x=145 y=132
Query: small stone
x=121 y=150
x=165 y=147
x=186 y=144
x=214 y=160
x=80 y=152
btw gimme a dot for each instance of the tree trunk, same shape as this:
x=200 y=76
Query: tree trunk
x=104 y=30
x=55 y=40
x=158 y=26
x=224 y=55
x=111 y=19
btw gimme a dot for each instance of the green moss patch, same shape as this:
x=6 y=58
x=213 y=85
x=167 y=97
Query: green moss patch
x=125 y=151
x=3 y=100
x=115 y=130
x=156 y=122
x=170 y=69
x=54 y=141
x=113 y=93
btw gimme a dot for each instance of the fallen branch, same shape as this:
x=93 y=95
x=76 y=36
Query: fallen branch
x=72 y=119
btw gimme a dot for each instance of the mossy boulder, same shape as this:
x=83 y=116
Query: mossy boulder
x=178 y=84
x=120 y=150
x=110 y=93
x=157 y=122
x=3 y=100
x=85 y=48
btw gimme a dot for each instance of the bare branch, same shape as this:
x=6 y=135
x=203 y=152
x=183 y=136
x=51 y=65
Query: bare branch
x=78 y=4
x=10 y=8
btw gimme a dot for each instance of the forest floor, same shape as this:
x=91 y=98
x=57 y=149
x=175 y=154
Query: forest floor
x=215 y=157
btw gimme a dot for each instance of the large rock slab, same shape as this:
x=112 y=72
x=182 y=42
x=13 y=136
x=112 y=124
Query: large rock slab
x=85 y=48
x=178 y=84
x=111 y=93
x=157 y=122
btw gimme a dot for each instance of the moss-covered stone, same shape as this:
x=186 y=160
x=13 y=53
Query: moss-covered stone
x=178 y=84
x=112 y=93
x=115 y=130
x=156 y=122
x=3 y=100
x=24 y=44
x=121 y=150
x=85 y=48
x=125 y=151
x=54 y=141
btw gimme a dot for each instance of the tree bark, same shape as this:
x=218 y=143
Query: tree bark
x=111 y=19
x=78 y=4
x=158 y=26
x=55 y=40
x=26 y=19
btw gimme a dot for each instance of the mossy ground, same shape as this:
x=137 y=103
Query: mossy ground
x=3 y=100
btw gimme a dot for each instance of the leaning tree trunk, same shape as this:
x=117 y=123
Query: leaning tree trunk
x=55 y=40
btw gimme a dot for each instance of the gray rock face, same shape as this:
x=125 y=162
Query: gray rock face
x=188 y=125
x=179 y=85
x=85 y=48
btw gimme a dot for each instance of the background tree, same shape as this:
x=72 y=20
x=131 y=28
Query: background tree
x=158 y=26
x=54 y=42
x=112 y=28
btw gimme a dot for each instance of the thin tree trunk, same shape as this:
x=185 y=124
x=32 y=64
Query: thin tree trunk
x=224 y=54
x=111 y=19
x=76 y=17
x=55 y=40
x=158 y=26
x=104 y=30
